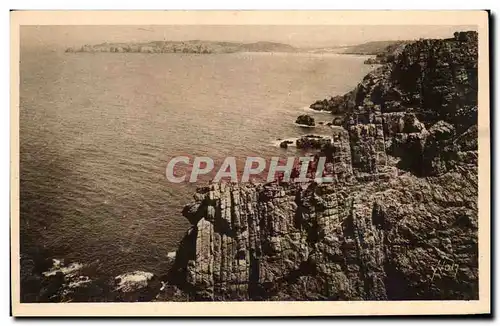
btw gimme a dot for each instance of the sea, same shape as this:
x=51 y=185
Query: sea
x=97 y=131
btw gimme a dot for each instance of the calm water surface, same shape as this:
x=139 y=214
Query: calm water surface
x=97 y=131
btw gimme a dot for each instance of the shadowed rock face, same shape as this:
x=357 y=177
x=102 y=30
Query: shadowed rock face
x=435 y=79
x=399 y=221
x=374 y=241
x=376 y=232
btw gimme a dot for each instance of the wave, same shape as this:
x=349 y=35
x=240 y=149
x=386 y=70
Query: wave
x=277 y=142
x=308 y=109
x=304 y=126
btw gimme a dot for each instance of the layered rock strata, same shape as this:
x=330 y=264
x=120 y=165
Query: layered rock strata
x=376 y=232
x=398 y=222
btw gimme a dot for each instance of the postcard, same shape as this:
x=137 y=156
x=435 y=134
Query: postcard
x=250 y=163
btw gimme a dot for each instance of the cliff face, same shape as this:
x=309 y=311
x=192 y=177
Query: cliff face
x=436 y=79
x=391 y=237
x=398 y=222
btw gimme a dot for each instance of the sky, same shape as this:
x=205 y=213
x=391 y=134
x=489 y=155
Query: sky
x=300 y=36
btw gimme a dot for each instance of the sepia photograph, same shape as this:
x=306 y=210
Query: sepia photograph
x=308 y=161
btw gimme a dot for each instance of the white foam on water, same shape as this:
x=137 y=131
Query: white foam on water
x=129 y=282
x=304 y=126
x=59 y=267
x=308 y=109
x=277 y=142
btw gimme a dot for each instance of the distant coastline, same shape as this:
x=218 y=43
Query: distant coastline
x=193 y=46
x=216 y=47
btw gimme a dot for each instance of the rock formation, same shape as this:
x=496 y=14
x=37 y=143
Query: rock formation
x=436 y=79
x=399 y=220
x=388 y=54
x=312 y=142
x=305 y=120
x=376 y=240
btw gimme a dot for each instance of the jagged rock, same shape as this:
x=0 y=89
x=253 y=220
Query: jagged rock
x=312 y=142
x=376 y=241
x=384 y=228
x=305 y=120
x=467 y=141
x=439 y=151
x=337 y=121
x=435 y=78
x=285 y=143
x=336 y=105
x=192 y=212
x=401 y=122
x=398 y=221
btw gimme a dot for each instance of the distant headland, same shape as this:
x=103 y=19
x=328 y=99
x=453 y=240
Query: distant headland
x=192 y=46
x=215 y=47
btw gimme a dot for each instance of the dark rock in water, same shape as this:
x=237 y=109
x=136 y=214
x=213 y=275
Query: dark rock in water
x=319 y=106
x=337 y=121
x=285 y=143
x=66 y=283
x=312 y=142
x=335 y=105
x=371 y=61
x=80 y=283
x=306 y=120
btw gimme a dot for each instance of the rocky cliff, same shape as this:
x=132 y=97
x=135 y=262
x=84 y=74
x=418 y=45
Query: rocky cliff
x=436 y=79
x=399 y=221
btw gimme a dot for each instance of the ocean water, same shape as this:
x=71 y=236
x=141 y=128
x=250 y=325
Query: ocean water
x=97 y=132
